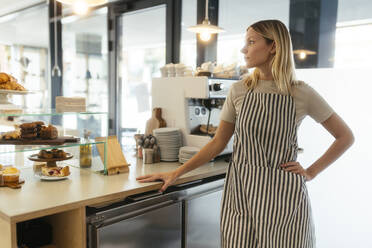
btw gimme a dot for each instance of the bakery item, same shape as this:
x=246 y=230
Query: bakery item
x=11 y=135
x=8 y=82
x=28 y=130
x=58 y=153
x=49 y=132
x=28 y=125
x=45 y=154
x=61 y=154
x=41 y=154
x=48 y=155
x=28 y=135
x=10 y=175
x=55 y=171
x=4 y=78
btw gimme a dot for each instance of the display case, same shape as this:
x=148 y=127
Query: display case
x=77 y=133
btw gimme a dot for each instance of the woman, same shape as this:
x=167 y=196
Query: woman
x=265 y=202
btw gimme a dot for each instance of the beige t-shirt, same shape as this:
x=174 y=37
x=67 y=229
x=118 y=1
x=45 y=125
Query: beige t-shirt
x=307 y=101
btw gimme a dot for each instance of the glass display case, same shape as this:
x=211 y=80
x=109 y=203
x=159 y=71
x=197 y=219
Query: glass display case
x=77 y=133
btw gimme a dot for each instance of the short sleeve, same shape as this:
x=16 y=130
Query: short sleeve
x=228 y=112
x=316 y=106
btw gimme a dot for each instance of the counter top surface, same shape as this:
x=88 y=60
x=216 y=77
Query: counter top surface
x=38 y=198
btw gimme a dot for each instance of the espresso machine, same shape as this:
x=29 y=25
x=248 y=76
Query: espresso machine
x=192 y=104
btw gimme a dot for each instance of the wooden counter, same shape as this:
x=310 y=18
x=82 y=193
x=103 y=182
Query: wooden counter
x=63 y=202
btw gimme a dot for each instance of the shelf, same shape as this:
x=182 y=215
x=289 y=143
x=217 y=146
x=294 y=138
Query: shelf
x=50 y=112
x=4 y=149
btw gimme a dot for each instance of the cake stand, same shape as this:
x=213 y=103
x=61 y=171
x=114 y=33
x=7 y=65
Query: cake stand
x=6 y=106
x=50 y=162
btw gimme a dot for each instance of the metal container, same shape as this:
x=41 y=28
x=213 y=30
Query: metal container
x=148 y=156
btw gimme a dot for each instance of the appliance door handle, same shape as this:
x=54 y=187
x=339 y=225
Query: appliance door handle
x=143 y=197
x=136 y=212
x=188 y=183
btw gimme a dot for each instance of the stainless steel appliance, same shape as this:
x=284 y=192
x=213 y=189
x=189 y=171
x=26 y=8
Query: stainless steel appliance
x=189 y=102
x=186 y=215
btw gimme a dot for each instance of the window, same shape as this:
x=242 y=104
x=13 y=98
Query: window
x=235 y=16
x=85 y=62
x=24 y=54
x=188 y=39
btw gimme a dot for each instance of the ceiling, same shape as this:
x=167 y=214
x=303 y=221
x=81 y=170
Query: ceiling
x=31 y=28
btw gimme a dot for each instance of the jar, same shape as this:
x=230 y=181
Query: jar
x=86 y=152
x=148 y=155
x=86 y=156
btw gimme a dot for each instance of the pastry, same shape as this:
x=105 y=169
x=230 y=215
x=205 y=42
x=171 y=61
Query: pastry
x=45 y=154
x=55 y=171
x=49 y=132
x=61 y=154
x=10 y=175
x=41 y=154
x=55 y=152
x=4 y=78
x=11 y=135
x=28 y=125
x=58 y=153
x=48 y=155
x=8 y=82
x=28 y=135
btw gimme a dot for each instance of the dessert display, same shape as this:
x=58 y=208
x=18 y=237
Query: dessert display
x=35 y=133
x=8 y=82
x=56 y=171
x=50 y=156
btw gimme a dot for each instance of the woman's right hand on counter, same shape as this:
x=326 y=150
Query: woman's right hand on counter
x=168 y=178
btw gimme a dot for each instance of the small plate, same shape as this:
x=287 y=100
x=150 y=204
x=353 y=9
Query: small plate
x=47 y=178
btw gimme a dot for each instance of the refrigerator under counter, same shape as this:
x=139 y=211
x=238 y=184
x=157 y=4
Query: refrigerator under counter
x=152 y=219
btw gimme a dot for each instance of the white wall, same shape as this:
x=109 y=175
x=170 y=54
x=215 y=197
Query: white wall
x=341 y=196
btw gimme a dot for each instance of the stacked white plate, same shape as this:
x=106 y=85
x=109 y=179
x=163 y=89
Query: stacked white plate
x=186 y=153
x=169 y=141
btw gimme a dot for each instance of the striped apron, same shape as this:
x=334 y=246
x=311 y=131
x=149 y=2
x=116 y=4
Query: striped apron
x=263 y=205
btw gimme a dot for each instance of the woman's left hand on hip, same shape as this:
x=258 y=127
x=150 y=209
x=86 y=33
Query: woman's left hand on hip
x=296 y=167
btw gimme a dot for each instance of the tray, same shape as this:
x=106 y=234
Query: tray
x=58 y=141
x=51 y=162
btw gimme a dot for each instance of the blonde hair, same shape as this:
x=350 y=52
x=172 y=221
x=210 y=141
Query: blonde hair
x=282 y=66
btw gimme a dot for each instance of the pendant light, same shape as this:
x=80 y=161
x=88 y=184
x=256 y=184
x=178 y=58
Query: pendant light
x=56 y=71
x=303 y=53
x=206 y=29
